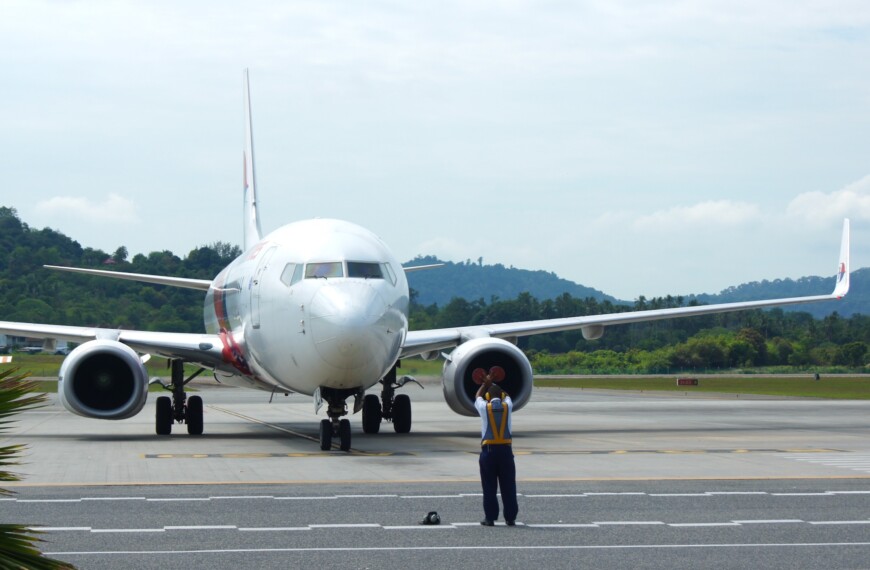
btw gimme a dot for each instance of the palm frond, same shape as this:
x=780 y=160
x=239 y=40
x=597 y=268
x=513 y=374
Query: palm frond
x=18 y=542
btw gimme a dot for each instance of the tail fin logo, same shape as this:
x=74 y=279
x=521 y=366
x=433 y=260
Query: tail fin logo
x=841 y=273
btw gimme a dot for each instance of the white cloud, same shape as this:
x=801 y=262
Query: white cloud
x=823 y=209
x=716 y=213
x=114 y=209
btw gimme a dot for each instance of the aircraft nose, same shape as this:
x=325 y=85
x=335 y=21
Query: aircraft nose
x=347 y=325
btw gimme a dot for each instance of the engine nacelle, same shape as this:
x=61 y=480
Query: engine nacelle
x=103 y=379
x=460 y=389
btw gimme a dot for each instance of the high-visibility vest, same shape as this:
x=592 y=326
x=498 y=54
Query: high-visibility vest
x=497 y=432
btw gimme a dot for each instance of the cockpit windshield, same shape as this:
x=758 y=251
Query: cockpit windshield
x=325 y=270
x=364 y=270
x=334 y=269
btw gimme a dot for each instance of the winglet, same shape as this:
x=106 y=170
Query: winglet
x=843 y=268
x=252 y=219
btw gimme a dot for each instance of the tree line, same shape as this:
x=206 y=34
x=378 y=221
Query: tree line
x=29 y=293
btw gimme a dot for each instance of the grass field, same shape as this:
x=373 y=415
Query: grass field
x=835 y=387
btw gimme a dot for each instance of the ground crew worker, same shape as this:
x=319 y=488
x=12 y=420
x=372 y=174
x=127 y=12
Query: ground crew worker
x=497 y=468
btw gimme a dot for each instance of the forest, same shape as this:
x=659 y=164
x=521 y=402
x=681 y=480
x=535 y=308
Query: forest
x=775 y=340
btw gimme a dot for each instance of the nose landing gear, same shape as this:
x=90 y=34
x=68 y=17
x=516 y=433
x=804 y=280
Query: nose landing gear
x=335 y=426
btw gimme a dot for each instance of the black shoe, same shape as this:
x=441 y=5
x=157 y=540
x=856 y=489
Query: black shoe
x=487 y=522
x=511 y=523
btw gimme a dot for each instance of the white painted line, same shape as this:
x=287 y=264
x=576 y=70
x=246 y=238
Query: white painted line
x=431 y=497
x=849 y=492
x=841 y=522
x=554 y=496
x=562 y=525
x=202 y=527
x=501 y=547
x=274 y=529
x=703 y=524
x=610 y=494
x=243 y=497
x=125 y=530
x=679 y=495
x=366 y=496
x=49 y=500
x=60 y=528
x=636 y=523
x=736 y=493
x=305 y=498
x=420 y=526
x=475 y=494
x=181 y=500
x=360 y=525
x=825 y=494
x=771 y=521
x=114 y=499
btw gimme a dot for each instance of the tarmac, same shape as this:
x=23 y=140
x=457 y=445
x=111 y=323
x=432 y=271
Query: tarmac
x=562 y=434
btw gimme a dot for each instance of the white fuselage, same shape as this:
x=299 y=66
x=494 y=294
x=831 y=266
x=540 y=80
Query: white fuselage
x=318 y=303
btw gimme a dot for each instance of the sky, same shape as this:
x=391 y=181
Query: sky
x=640 y=148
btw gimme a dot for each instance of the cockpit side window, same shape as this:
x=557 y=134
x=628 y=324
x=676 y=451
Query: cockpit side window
x=324 y=269
x=388 y=270
x=292 y=274
x=364 y=270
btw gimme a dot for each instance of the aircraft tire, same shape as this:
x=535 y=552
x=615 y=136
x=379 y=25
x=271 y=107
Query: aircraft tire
x=325 y=435
x=402 y=413
x=163 y=417
x=344 y=435
x=371 y=414
x=194 y=415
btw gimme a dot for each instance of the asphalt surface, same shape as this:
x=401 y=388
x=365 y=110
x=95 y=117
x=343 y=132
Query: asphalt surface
x=606 y=479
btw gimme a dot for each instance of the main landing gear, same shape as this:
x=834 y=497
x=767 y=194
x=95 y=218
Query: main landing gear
x=389 y=406
x=179 y=408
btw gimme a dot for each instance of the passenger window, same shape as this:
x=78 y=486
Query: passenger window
x=364 y=270
x=324 y=270
x=292 y=274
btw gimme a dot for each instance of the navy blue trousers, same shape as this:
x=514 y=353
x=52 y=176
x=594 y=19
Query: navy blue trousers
x=498 y=471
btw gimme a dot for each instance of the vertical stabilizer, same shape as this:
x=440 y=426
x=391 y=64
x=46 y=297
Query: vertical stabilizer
x=843 y=268
x=252 y=218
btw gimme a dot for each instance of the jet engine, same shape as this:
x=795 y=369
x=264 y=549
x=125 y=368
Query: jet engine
x=460 y=389
x=103 y=379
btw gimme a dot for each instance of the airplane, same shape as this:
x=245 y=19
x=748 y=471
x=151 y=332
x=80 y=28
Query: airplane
x=317 y=307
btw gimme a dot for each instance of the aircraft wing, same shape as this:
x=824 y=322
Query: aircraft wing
x=430 y=341
x=205 y=349
x=199 y=284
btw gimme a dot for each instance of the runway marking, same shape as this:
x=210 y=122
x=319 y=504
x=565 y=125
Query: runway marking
x=591 y=495
x=458 y=525
x=854 y=461
x=500 y=547
x=771 y=521
x=359 y=453
x=841 y=522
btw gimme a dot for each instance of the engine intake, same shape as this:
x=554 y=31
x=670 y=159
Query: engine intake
x=103 y=379
x=460 y=389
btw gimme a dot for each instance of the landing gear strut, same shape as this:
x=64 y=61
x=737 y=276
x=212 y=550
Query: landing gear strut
x=336 y=426
x=179 y=408
x=390 y=406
